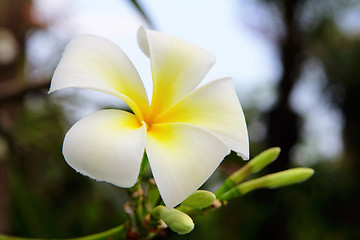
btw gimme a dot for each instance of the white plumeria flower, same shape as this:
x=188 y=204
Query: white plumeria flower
x=186 y=132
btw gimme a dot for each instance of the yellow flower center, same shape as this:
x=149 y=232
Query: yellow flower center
x=150 y=117
x=148 y=121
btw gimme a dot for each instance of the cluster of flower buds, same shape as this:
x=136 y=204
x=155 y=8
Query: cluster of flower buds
x=234 y=186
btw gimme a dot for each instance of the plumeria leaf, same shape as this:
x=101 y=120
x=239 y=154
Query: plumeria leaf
x=95 y=63
x=182 y=157
x=177 y=67
x=108 y=146
x=214 y=106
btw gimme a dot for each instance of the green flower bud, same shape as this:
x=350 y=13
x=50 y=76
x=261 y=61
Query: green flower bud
x=254 y=165
x=199 y=199
x=275 y=180
x=288 y=177
x=178 y=221
x=263 y=159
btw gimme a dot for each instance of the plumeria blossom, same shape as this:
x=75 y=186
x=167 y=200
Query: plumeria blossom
x=186 y=131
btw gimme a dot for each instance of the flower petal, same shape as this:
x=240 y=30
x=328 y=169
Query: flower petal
x=182 y=157
x=177 y=67
x=92 y=62
x=214 y=106
x=107 y=145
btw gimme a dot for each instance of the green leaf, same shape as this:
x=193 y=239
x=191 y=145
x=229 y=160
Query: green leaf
x=142 y=12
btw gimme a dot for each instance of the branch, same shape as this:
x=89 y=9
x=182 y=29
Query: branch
x=114 y=233
x=11 y=91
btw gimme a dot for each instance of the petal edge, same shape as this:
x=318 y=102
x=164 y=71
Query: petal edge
x=93 y=62
x=215 y=107
x=177 y=67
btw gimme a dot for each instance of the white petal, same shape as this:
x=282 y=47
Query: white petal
x=93 y=62
x=182 y=157
x=107 y=145
x=177 y=67
x=214 y=106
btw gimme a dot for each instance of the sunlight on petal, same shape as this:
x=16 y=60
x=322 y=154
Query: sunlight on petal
x=108 y=146
x=214 y=106
x=93 y=62
x=177 y=67
x=182 y=157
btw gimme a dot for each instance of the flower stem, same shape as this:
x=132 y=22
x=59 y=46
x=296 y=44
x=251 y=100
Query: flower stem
x=114 y=233
x=135 y=208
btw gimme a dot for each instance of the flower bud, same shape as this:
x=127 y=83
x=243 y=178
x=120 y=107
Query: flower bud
x=275 y=180
x=254 y=165
x=178 y=221
x=199 y=199
x=263 y=159
x=288 y=177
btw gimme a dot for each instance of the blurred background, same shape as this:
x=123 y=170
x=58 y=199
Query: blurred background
x=296 y=67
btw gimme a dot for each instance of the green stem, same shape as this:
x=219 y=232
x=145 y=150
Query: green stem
x=143 y=166
x=152 y=197
x=234 y=179
x=136 y=209
x=137 y=202
x=114 y=233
